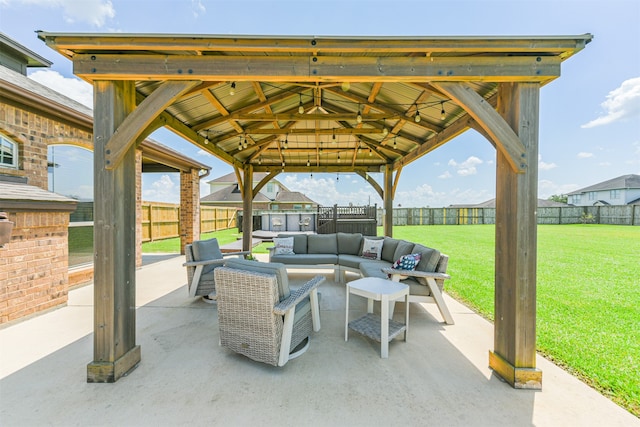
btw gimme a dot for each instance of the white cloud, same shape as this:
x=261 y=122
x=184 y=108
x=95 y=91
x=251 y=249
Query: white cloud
x=445 y=175
x=622 y=103
x=198 y=8
x=545 y=166
x=584 y=155
x=94 y=12
x=163 y=189
x=604 y=164
x=325 y=190
x=72 y=87
x=466 y=168
x=204 y=153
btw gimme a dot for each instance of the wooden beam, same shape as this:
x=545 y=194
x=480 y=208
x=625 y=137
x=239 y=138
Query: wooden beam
x=396 y=181
x=325 y=168
x=372 y=182
x=114 y=332
x=236 y=170
x=559 y=45
x=514 y=355
x=387 y=200
x=504 y=137
x=247 y=208
x=145 y=113
x=99 y=66
x=314 y=131
x=248 y=109
x=265 y=117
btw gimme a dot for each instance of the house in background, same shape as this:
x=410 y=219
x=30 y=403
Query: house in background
x=37 y=265
x=621 y=191
x=542 y=203
x=225 y=192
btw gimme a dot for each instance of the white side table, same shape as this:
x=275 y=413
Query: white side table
x=381 y=329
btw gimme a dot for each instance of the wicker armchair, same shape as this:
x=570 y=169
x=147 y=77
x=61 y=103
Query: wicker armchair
x=202 y=257
x=257 y=315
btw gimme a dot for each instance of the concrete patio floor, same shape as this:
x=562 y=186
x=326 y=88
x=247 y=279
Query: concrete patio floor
x=438 y=377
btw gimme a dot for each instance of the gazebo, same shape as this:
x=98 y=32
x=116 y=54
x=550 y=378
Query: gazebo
x=316 y=104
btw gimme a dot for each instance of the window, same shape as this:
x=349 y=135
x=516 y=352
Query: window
x=297 y=206
x=8 y=153
x=275 y=207
x=575 y=198
x=592 y=195
x=270 y=187
x=614 y=194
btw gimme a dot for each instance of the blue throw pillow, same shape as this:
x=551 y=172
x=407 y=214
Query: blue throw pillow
x=407 y=262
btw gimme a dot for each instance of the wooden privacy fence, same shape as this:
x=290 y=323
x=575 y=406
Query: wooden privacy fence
x=617 y=215
x=161 y=220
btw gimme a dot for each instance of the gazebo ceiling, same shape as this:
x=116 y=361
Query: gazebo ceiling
x=302 y=104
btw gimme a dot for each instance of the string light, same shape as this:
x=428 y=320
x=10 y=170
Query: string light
x=417 y=118
x=286 y=142
x=311 y=175
x=370 y=152
x=333 y=140
x=359 y=116
x=385 y=131
x=232 y=89
x=320 y=147
x=443 y=115
x=239 y=143
x=337 y=176
x=300 y=107
x=260 y=160
x=338 y=157
x=395 y=145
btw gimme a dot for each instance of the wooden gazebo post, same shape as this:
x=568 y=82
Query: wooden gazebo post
x=114 y=340
x=388 y=200
x=514 y=354
x=247 y=206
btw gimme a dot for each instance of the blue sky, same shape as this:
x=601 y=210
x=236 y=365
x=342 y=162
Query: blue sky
x=589 y=117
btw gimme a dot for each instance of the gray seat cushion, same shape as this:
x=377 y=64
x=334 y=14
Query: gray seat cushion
x=278 y=269
x=204 y=250
x=373 y=268
x=306 y=259
x=352 y=261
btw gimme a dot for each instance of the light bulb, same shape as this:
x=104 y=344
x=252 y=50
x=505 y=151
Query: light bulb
x=206 y=141
x=232 y=89
x=259 y=160
x=442 y=113
x=385 y=131
x=394 y=143
x=417 y=117
x=286 y=143
x=301 y=109
x=345 y=86
x=308 y=163
x=338 y=157
x=283 y=164
x=370 y=152
x=359 y=117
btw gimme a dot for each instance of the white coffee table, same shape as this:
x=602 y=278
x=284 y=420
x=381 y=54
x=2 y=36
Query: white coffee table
x=381 y=329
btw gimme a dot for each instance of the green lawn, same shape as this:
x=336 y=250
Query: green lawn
x=588 y=293
x=588 y=312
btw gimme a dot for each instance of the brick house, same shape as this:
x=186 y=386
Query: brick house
x=34 y=267
x=224 y=192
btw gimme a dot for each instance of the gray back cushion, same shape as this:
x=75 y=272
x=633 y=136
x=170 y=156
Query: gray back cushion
x=429 y=257
x=264 y=267
x=349 y=243
x=322 y=244
x=299 y=242
x=204 y=250
x=389 y=248
x=403 y=248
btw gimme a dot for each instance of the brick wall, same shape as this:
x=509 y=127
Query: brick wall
x=33 y=266
x=33 y=133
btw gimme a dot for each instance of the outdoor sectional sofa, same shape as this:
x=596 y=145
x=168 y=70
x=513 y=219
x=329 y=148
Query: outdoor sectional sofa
x=343 y=252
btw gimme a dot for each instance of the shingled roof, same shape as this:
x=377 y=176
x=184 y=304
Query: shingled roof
x=621 y=182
